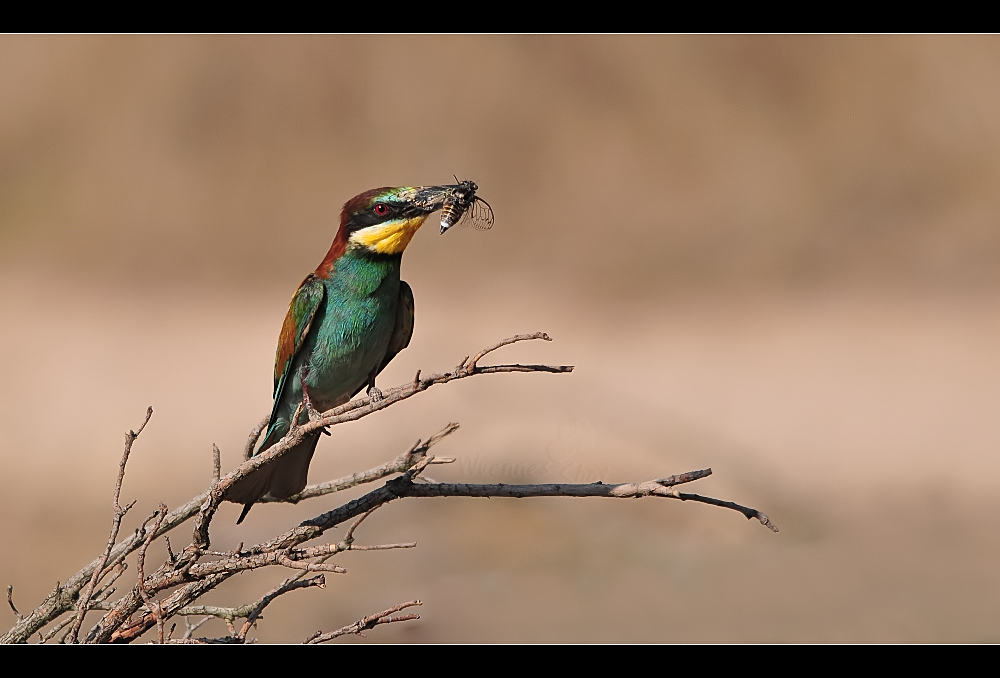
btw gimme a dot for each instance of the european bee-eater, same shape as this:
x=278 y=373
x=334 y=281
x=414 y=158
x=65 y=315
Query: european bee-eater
x=345 y=323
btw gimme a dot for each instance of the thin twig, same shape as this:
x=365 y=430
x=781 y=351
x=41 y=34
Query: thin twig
x=285 y=587
x=349 y=535
x=116 y=523
x=254 y=437
x=191 y=628
x=10 y=601
x=347 y=543
x=56 y=629
x=105 y=590
x=333 y=549
x=369 y=622
x=750 y=513
x=153 y=606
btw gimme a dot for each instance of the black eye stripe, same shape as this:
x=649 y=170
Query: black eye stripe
x=369 y=216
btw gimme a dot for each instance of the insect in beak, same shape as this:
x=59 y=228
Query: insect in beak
x=464 y=203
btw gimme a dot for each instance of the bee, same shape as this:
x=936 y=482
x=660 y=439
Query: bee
x=464 y=205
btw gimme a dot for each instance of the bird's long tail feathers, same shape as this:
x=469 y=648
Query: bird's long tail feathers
x=244 y=512
x=280 y=479
x=291 y=471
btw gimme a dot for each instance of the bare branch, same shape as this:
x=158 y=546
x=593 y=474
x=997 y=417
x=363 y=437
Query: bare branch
x=282 y=551
x=186 y=576
x=369 y=622
x=277 y=550
x=404 y=486
x=623 y=490
x=116 y=523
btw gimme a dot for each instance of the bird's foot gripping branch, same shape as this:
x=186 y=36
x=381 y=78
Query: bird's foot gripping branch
x=160 y=598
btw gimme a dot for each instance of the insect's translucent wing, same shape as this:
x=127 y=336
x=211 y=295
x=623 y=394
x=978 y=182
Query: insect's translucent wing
x=479 y=214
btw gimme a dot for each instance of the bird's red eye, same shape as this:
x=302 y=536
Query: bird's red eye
x=381 y=209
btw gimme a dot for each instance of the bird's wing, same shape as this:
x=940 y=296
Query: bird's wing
x=298 y=321
x=403 y=329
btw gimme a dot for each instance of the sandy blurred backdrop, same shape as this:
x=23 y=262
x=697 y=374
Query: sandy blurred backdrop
x=777 y=257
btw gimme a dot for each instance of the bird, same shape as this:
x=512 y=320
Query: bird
x=346 y=322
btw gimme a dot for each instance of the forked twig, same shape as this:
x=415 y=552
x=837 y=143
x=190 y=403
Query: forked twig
x=191 y=628
x=471 y=364
x=369 y=622
x=285 y=587
x=116 y=522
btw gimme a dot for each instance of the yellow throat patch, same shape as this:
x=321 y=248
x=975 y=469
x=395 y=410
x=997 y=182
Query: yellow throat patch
x=392 y=237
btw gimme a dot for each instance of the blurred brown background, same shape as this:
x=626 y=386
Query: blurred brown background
x=777 y=257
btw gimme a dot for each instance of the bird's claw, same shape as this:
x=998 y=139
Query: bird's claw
x=374 y=394
x=311 y=411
